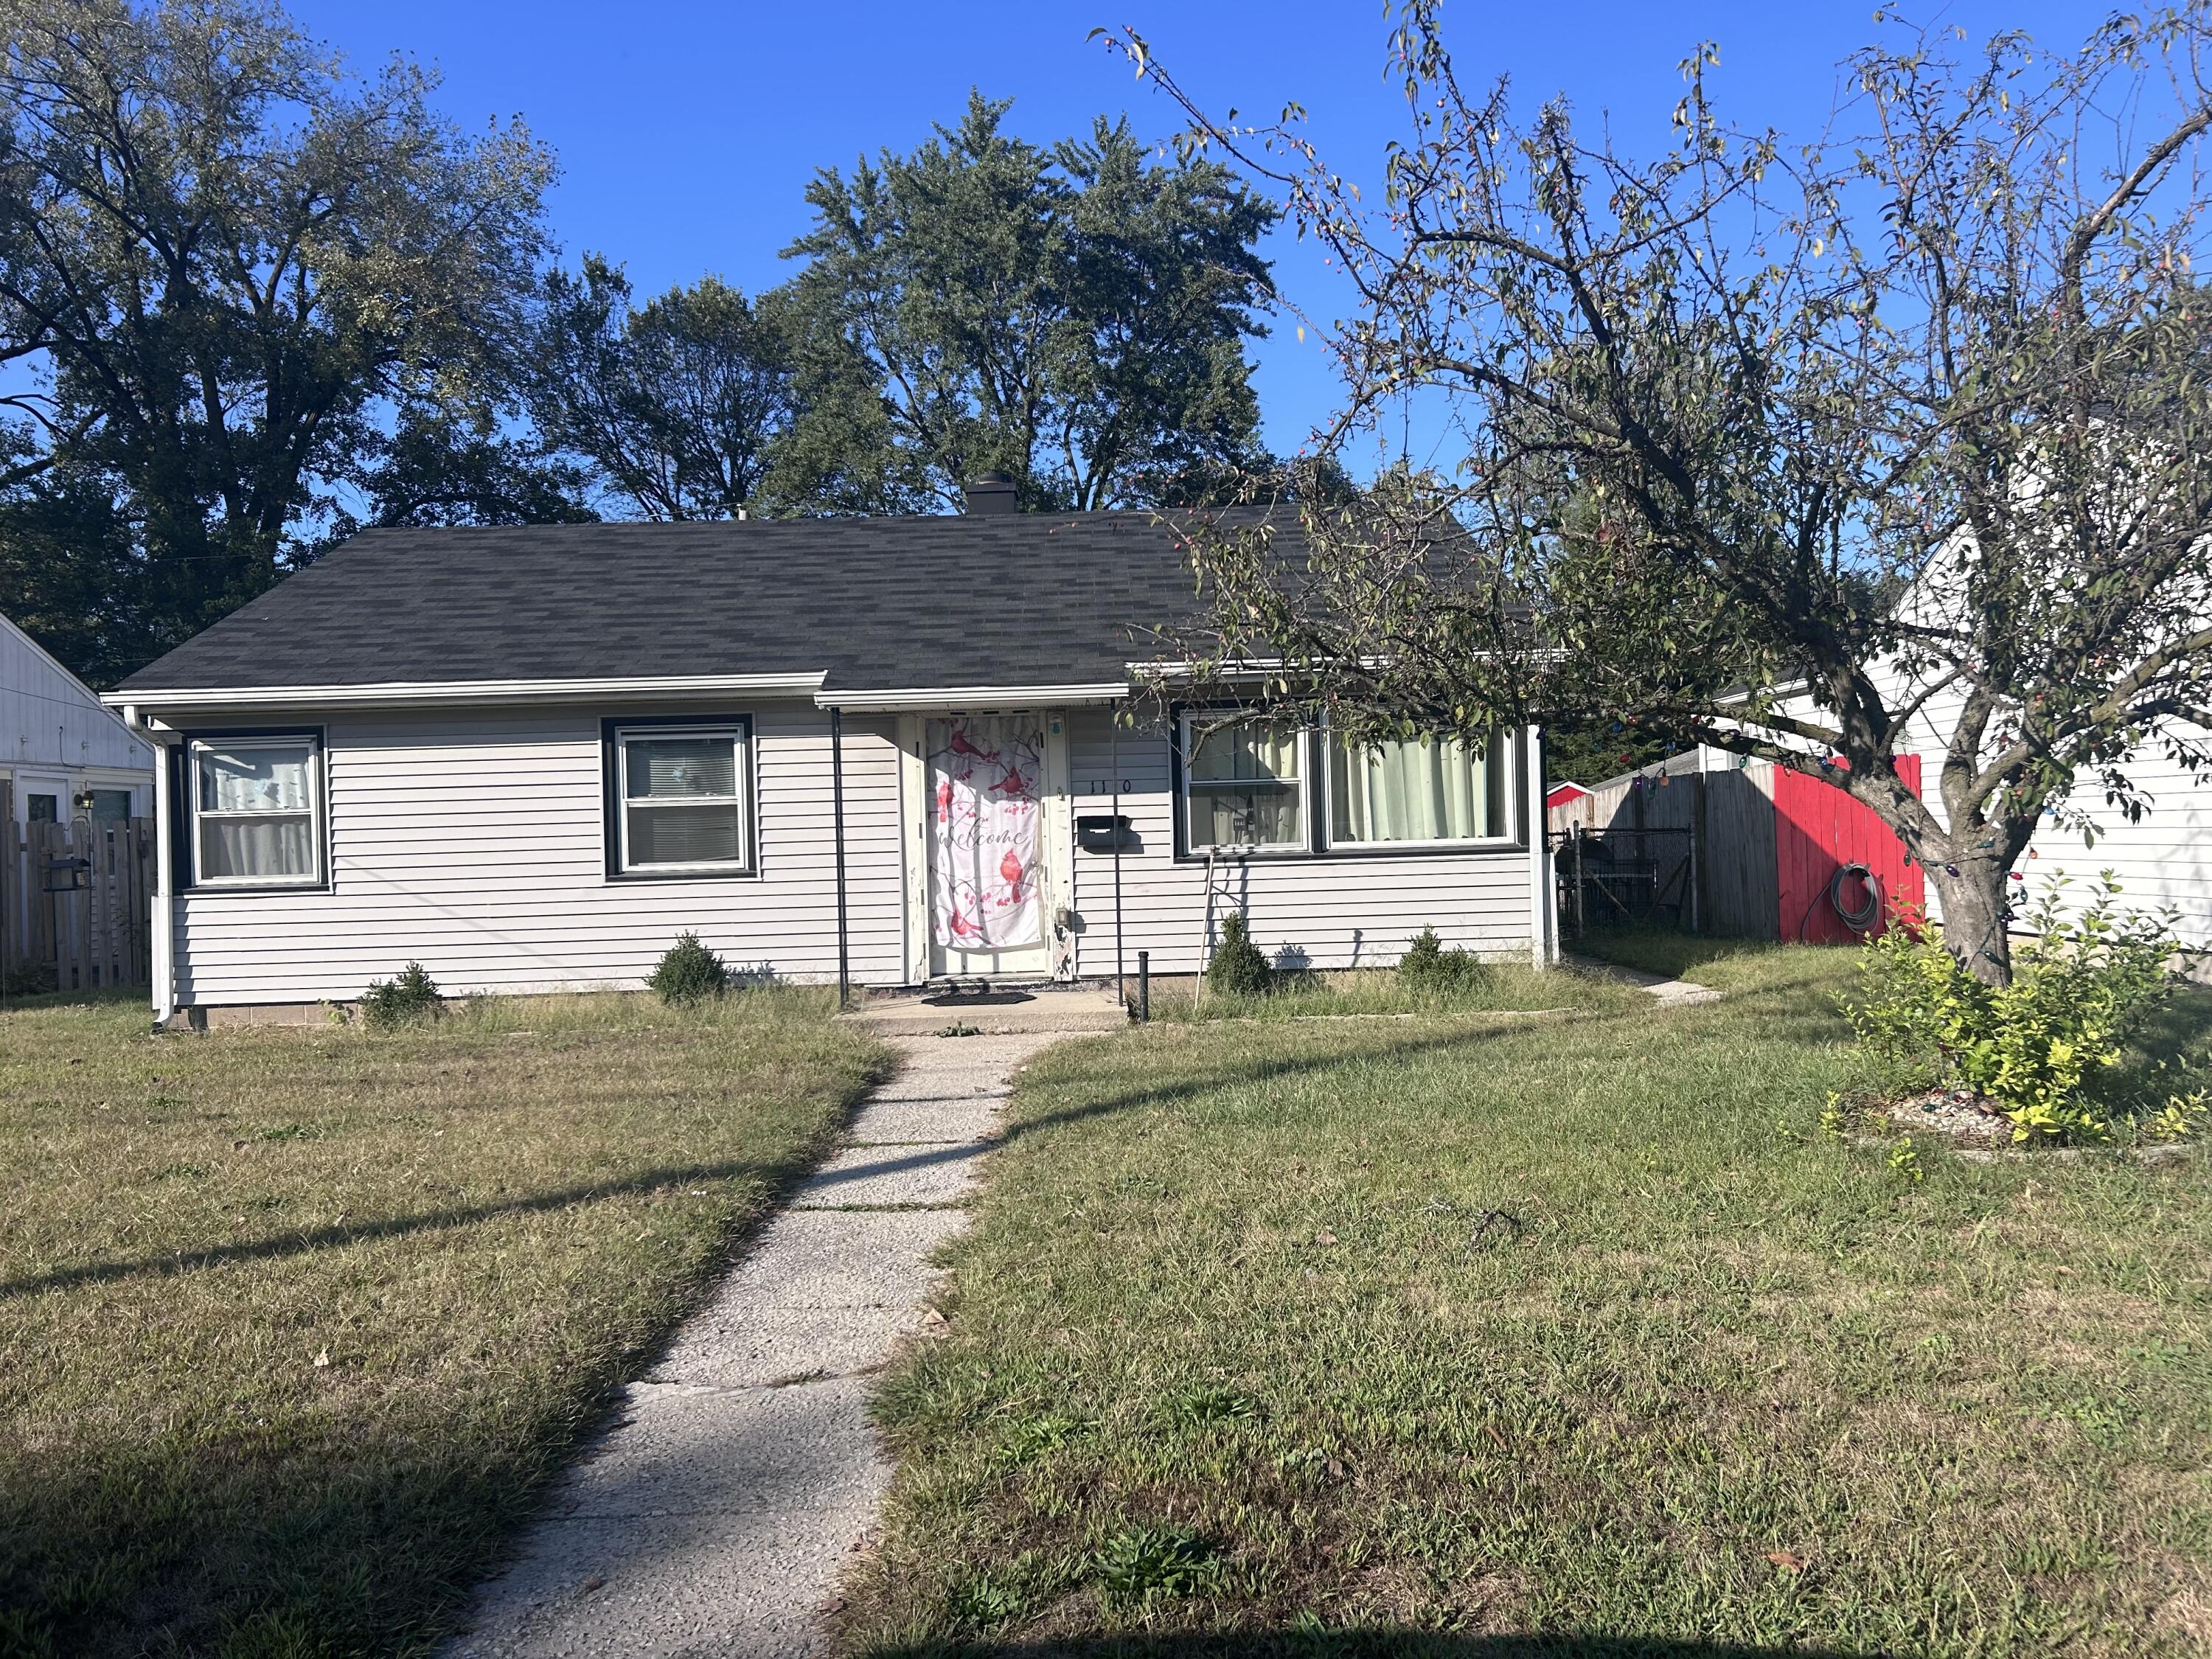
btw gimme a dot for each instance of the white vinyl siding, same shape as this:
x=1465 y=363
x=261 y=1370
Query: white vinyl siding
x=475 y=843
x=1349 y=912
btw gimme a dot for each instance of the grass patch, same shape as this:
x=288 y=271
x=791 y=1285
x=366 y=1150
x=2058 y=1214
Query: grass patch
x=1726 y=965
x=1501 y=988
x=1243 y=1360
x=299 y=1323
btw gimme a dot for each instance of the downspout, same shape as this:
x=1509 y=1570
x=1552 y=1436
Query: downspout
x=837 y=814
x=1114 y=760
x=1543 y=929
x=163 y=944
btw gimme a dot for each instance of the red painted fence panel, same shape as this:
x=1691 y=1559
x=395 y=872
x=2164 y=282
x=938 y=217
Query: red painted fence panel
x=1818 y=829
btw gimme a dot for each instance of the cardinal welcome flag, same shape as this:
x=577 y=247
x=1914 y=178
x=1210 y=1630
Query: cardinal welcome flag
x=984 y=776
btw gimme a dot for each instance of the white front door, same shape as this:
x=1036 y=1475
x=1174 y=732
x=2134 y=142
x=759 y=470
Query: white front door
x=993 y=798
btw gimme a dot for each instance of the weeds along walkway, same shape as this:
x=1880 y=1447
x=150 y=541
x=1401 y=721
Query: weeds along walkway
x=715 y=1515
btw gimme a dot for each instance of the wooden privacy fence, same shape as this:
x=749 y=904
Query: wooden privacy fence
x=1749 y=852
x=76 y=904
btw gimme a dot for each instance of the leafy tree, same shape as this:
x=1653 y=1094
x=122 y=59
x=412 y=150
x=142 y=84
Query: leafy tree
x=676 y=407
x=234 y=272
x=443 y=464
x=1074 y=317
x=1783 y=450
x=70 y=575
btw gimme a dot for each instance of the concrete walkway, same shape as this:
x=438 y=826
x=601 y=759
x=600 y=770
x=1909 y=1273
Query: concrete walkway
x=715 y=1516
x=1670 y=992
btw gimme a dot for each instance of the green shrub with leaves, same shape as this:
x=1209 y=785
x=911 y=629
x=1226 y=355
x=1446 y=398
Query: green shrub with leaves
x=1237 y=968
x=1430 y=968
x=28 y=981
x=408 y=996
x=2044 y=1047
x=688 y=972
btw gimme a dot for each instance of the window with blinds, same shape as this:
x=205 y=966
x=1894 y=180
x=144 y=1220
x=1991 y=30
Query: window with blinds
x=682 y=800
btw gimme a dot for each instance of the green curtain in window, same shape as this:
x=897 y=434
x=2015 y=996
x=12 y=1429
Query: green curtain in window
x=1421 y=790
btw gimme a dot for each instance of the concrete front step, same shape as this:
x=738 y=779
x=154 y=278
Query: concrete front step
x=1054 y=1009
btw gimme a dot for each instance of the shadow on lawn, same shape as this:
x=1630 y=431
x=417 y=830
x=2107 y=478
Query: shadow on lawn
x=353 y=1532
x=1371 y=1644
x=780 y=1176
x=1249 y=1072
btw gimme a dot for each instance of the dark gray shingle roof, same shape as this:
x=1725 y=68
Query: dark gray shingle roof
x=880 y=604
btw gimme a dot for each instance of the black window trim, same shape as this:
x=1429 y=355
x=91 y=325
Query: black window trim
x=611 y=827
x=1179 y=719
x=184 y=811
x=1315 y=806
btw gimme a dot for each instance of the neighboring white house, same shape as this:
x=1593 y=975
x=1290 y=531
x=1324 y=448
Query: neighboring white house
x=62 y=755
x=898 y=749
x=2162 y=861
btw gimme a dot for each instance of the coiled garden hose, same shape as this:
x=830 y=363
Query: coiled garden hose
x=1858 y=918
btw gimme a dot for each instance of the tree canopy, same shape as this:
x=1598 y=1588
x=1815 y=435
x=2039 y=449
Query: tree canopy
x=1075 y=317
x=233 y=273
x=1780 y=448
x=678 y=405
x=252 y=302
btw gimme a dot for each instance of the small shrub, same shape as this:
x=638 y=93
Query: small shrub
x=2040 y=1047
x=689 y=972
x=35 y=982
x=1237 y=968
x=409 y=995
x=1430 y=968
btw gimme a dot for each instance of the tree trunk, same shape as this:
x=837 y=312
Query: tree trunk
x=1974 y=919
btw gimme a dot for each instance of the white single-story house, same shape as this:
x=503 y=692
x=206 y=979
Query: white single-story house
x=62 y=754
x=893 y=750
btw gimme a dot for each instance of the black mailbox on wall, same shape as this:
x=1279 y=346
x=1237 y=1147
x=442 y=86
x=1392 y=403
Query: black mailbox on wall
x=1104 y=832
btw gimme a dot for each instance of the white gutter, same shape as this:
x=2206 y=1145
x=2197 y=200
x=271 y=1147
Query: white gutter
x=396 y=693
x=965 y=697
x=164 y=940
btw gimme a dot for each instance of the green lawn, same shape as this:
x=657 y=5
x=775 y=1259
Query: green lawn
x=1238 y=1364
x=298 y=1323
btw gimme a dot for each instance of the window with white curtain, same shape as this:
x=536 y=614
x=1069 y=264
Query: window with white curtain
x=682 y=800
x=1243 y=786
x=257 y=812
x=1417 y=791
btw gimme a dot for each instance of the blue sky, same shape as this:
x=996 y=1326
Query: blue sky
x=687 y=131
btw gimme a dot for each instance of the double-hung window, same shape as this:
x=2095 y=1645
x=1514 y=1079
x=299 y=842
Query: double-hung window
x=1243 y=786
x=257 y=811
x=680 y=800
x=1419 y=792
x=1252 y=786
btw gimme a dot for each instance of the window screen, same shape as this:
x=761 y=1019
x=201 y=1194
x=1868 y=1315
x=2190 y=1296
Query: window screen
x=682 y=800
x=256 y=817
x=1243 y=785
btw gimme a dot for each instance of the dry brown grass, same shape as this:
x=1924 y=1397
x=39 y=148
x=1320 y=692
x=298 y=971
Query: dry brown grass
x=298 y=1322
